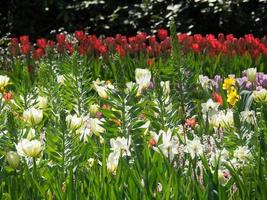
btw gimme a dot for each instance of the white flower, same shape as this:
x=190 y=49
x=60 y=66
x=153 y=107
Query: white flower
x=121 y=145
x=41 y=102
x=29 y=148
x=222 y=120
x=260 y=96
x=210 y=108
x=101 y=88
x=159 y=187
x=74 y=122
x=95 y=126
x=129 y=87
x=91 y=162
x=112 y=162
x=142 y=78
x=61 y=79
x=3 y=81
x=169 y=146
x=93 y=109
x=33 y=116
x=248 y=116
x=89 y=127
x=242 y=153
x=13 y=159
x=205 y=82
x=223 y=155
x=194 y=147
x=251 y=74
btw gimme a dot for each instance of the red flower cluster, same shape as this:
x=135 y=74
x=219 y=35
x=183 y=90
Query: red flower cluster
x=152 y=46
x=227 y=45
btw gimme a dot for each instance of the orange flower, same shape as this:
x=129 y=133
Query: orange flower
x=217 y=98
x=191 y=122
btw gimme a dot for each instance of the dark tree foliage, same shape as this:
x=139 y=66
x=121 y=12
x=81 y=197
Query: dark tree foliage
x=108 y=17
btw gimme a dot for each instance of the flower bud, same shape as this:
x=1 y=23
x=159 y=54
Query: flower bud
x=13 y=159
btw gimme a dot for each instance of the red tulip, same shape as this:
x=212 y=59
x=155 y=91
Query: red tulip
x=162 y=34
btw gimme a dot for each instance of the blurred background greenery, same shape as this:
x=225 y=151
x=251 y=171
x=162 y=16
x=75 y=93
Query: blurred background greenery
x=108 y=17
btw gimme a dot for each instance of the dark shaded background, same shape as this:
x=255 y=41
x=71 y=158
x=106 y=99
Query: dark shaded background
x=38 y=17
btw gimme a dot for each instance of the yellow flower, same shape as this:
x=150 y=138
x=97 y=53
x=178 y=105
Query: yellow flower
x=228 y=83
x=232 y=96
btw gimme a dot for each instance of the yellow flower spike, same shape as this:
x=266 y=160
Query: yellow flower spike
x=232 y=97
x=228 y=83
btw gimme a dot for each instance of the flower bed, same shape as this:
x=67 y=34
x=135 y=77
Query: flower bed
x=73 y=127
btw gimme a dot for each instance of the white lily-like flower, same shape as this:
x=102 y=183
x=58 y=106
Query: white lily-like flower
x=74 y=122
x=101 y=88
x=210 y=108
x=121 y=145
x=222 y=119
x=41 y=102
x=248 y=116
x=33 y=116
x=96 y=126
x=242 y=153
x=129 y=87
x=61 y=79
x=142 y=78
x=169 y=146
x=29 y=148
x=3 y=81
x=194 y=147
x=205 y=82
x=93 y=109
x=112 y=162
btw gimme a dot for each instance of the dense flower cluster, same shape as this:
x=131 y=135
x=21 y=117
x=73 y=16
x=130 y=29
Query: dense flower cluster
x=150 y=45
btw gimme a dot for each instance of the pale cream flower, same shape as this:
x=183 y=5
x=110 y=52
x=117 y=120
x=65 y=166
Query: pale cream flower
x=194 y=147
x=112 y=162
x=41 y=102
x=3 y=81
x=210 y=108
x=169 y=146
x=222 y=119
x=74 y=122
x=205 y=82
x=101 y=88
x=121 y=145
x=93 y=109
x=242 y=153
x=260 y=96
x=33 y=116
x=91 y=162
x=142 y=78
x=248 y=116
x=251 y=74
x=29 y=148
x=61 y=79
x=96 y=126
